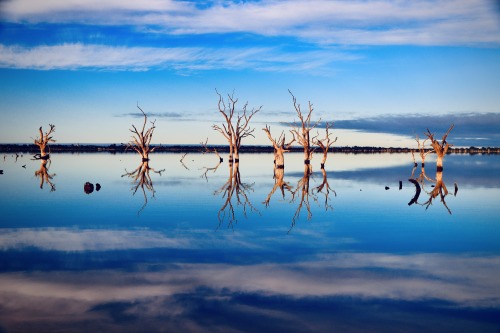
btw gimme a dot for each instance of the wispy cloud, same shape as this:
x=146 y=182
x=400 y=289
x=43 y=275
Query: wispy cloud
x=382 y=22
x=152 y=115
x=77 y=55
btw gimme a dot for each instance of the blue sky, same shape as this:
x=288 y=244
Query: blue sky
x=383 y=70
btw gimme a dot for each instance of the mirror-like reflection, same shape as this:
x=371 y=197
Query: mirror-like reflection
x=439 y=188
x=235 y=192
x=373 y=264
x=43 y=174
x=141 y=179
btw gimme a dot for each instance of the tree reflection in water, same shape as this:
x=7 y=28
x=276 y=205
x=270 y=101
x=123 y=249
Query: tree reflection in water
x=438 y=190
x=236 y=193
x=141 y=178
x=44 y=175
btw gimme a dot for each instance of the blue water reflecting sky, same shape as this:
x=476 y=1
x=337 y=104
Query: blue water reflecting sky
x=358 y=259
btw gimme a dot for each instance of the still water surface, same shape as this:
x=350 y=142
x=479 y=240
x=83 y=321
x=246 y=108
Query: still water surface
x=202 y=247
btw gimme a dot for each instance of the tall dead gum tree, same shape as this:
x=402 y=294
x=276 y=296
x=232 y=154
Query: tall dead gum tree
x=141 y=140
x=43 y=141
x=234 y=131
x=280 y=147
x=440 y=148
x=301 y=132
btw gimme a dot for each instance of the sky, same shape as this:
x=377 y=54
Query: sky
x=382 y=71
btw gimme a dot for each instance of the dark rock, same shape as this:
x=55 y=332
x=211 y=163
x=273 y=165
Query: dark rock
x=387 y=187
x=97 y=187
x=88 y=188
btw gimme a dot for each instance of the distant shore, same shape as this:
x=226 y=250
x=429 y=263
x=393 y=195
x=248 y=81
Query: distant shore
x=120 y=148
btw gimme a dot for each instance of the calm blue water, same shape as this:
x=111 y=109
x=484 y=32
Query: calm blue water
x=193 y=249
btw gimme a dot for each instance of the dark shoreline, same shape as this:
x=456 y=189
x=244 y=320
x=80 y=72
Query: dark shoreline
x=120 y=148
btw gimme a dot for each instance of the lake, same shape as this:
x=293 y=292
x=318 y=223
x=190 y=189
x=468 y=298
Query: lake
x=190 y=245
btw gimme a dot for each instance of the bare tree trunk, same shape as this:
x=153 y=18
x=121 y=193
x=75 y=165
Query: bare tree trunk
x=325 y=144
x=141 y=140
x=43 y=141
x=301 y=134
x=280 y=148
x=441 y=148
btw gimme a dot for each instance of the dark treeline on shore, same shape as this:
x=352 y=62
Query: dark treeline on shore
x=121 y=148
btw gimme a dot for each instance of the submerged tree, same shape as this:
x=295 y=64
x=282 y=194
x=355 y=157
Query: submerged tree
x=234 y=132
x=441 y=148
x=280 y=147
x=325 y=144
x=141 y=140
x=43 y=141
x=301 y=132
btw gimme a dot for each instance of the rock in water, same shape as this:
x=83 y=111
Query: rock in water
x=88 y=188
x=97 y=187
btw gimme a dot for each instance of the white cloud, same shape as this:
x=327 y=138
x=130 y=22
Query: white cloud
x=74 y=56
x=381 y=22
x=86 y=240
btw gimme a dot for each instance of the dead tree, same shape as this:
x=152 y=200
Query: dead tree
x=227 y=129
x=205 y=150
x=441 y=148
x=44 y=175
x=325 y=144
x=280 y=147
x=141 y=178
x=301 y=132
x=242 y=129
x=43 y=141
x=141 y=140
x=234 y=133
x=423 y=152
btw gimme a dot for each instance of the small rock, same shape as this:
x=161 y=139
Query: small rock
x=97 y=187
x=88 y=188
x=386 y=188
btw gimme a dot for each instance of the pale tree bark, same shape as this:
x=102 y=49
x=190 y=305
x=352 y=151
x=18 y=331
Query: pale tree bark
x=301 y=132
x=43 y=141
x=280 y=147
x=441 y=148
x=423 y=152
x=234 y=133
x=208 y=150
x=227 y=129
x=325 y=143
x=242 y=129
x=141 y=140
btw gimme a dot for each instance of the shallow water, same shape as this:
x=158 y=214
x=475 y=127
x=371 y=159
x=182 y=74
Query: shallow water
x=196 y=248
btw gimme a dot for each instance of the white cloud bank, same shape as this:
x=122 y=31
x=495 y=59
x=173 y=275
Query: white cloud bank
x=357 y=22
